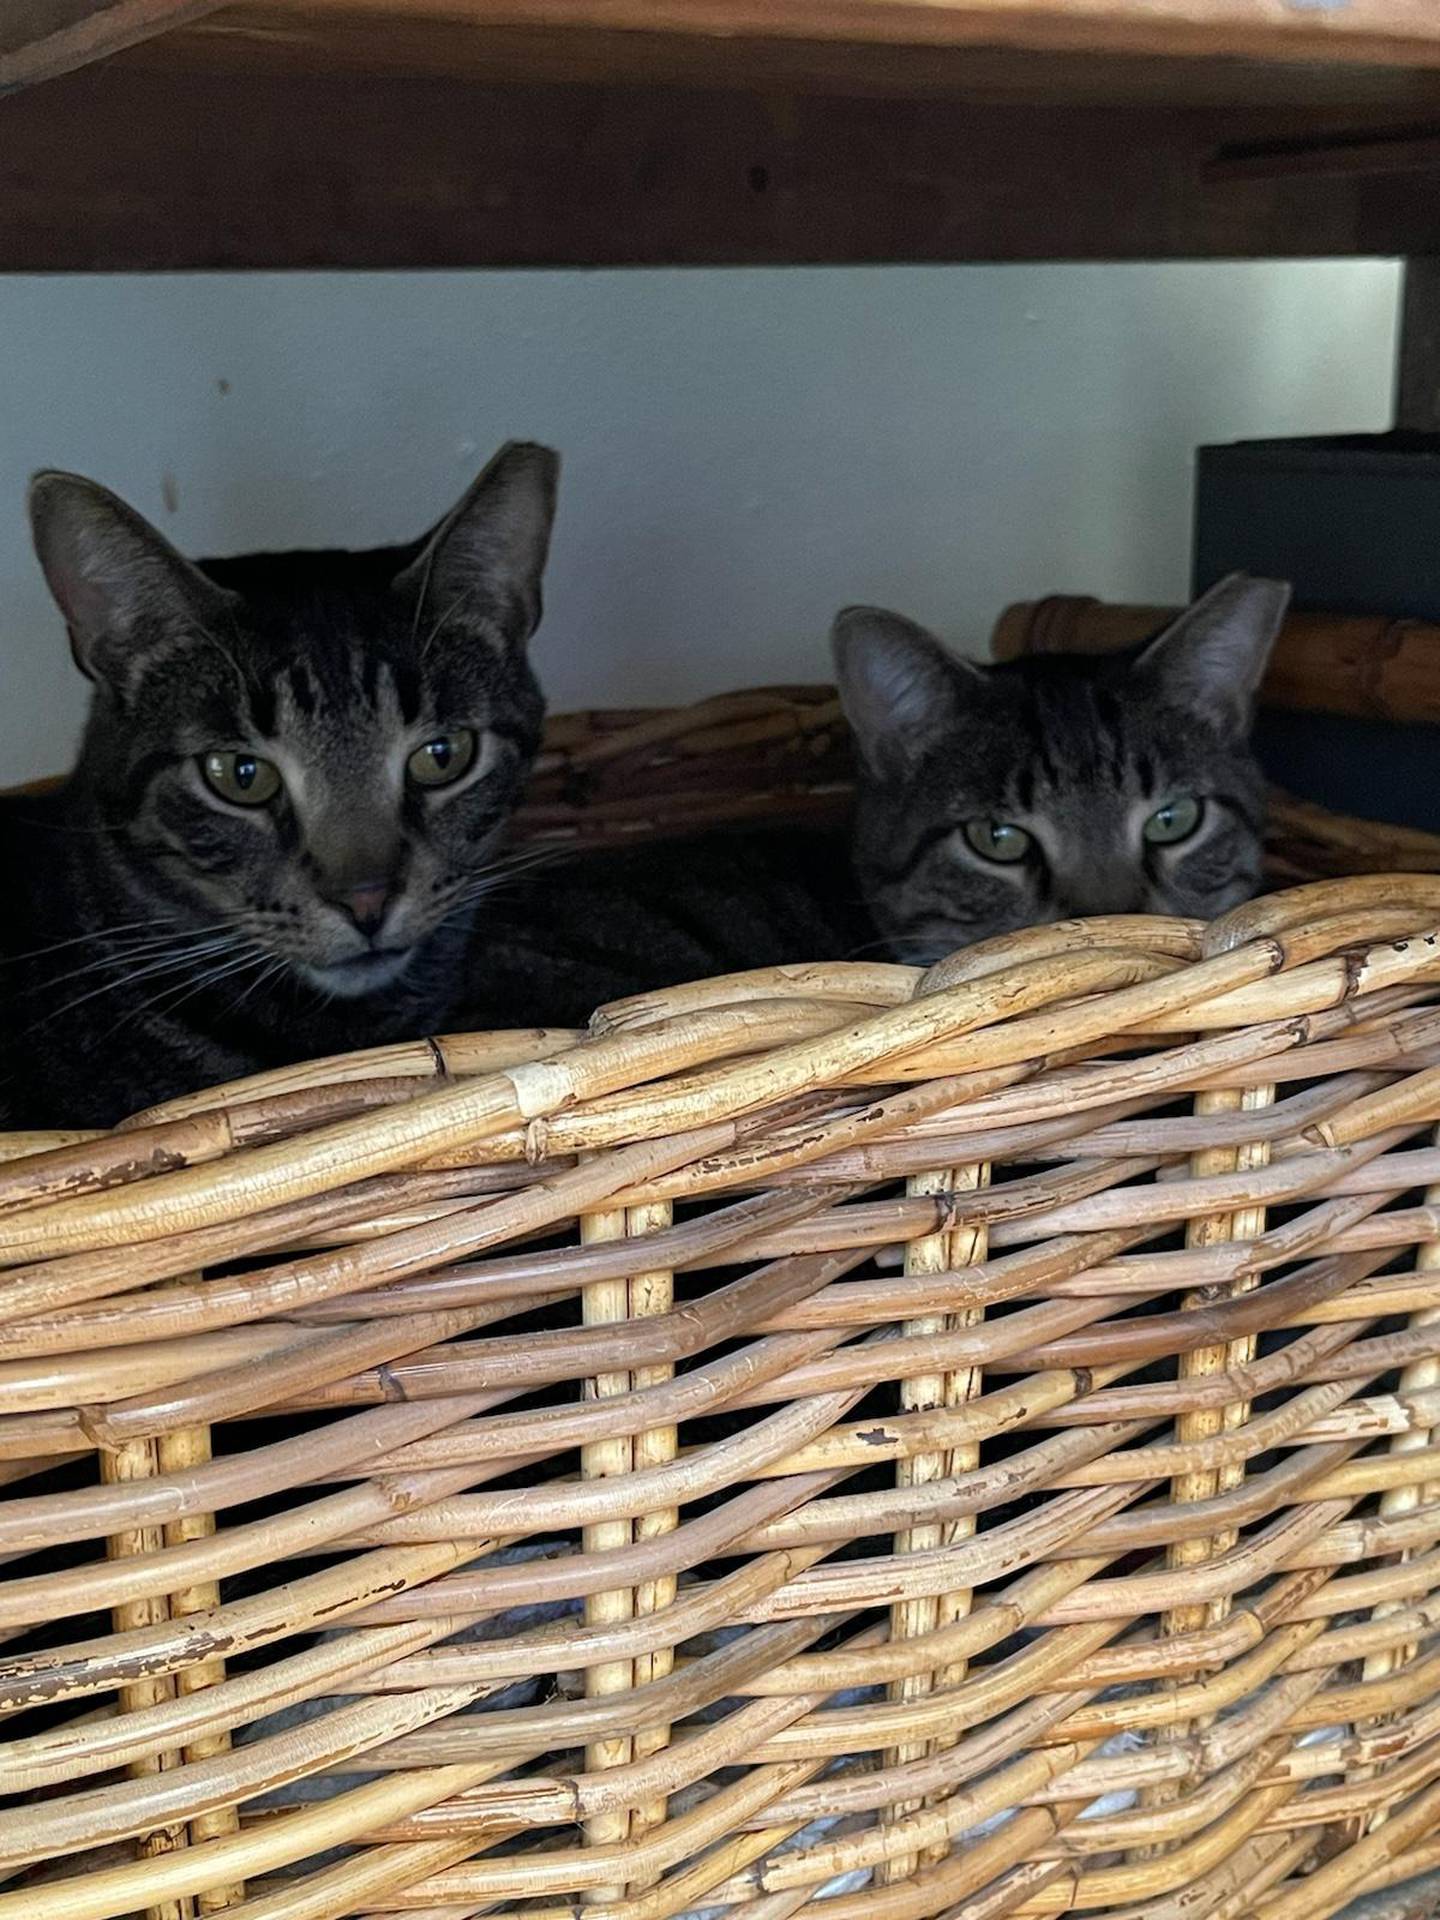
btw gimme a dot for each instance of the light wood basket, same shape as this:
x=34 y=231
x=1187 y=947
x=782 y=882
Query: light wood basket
x=972 y=1438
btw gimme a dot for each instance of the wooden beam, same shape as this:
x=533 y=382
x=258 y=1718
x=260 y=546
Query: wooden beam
x=42 y=38
x=131 y=169
x=267 y=36
x=1360 y=666
x=1373 y=32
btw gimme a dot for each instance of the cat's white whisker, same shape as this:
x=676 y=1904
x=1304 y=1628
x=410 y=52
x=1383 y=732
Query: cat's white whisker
x=484 y=880
x=96 y=933
x=124 y=954
x=166 y=963
x=210 y=977
x=266 y=974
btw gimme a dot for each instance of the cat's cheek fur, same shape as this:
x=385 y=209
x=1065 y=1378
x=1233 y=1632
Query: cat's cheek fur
x=946 y=901
x=1220 y=872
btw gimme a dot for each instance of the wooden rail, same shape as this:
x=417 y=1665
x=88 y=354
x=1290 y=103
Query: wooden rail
x=395 y=133
x=1363 y=666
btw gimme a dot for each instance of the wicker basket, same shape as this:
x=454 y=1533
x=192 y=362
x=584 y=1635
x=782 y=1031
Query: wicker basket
x=968 y=1448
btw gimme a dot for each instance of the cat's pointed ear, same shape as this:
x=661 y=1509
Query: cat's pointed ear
x=900 y=688
x=121 y=586
x=481 y=566
x=1212 y=659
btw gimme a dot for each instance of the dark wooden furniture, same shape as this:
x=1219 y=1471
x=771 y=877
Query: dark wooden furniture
x=414 y=133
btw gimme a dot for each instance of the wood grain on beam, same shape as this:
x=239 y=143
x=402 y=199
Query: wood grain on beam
x=269 y=36
x=42 y=38
x=1383 y=32
x=253 y=170
x=387 y=173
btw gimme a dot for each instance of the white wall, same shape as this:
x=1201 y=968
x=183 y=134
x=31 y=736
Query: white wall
x=745 y=451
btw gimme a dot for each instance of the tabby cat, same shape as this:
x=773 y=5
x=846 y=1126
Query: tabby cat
x=989 y=798
x=996 y=797
x=287 y=804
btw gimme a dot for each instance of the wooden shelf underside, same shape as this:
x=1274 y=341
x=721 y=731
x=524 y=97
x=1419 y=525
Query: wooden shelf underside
x=404 y=133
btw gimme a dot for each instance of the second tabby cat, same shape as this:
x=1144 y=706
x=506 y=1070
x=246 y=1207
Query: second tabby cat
x=997 y=797
x=988 y=798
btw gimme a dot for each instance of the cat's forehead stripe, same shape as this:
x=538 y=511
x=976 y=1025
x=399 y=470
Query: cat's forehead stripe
x=407 y=684
x=302 y=688
x=1041 y=736
x=263 y=708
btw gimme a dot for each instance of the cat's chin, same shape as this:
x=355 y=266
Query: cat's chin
x=353 y=979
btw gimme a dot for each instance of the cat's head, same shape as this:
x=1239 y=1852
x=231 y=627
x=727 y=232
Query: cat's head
x=997 y=797
x=315 y=751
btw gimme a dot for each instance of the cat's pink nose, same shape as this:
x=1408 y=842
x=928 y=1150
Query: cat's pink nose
x=366 y=904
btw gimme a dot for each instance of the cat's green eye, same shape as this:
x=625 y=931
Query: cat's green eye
x=1175 y=821
x=443 y=760
x=998 y=840
x=244 y=779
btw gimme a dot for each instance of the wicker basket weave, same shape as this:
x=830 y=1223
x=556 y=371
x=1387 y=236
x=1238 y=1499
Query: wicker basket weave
x=1085 y=1561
